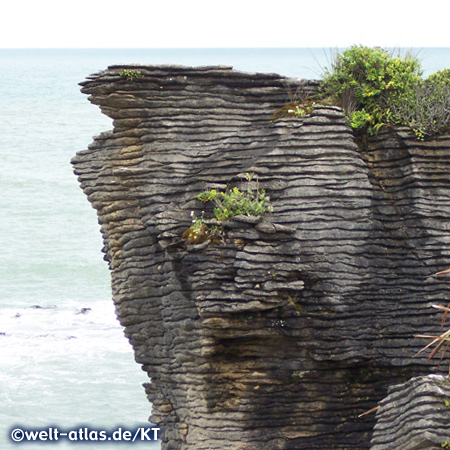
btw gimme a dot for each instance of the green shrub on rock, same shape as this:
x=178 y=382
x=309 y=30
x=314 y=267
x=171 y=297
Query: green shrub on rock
x=366 y=82
x=228 y=204
x=376 y=89
x=234 y=202
x=427 y=111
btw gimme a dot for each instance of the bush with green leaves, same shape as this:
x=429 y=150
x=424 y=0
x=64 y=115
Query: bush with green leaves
x=427 y=111
x=376 y=88
x=228 y=204
x=367 y=81
x=234 y=202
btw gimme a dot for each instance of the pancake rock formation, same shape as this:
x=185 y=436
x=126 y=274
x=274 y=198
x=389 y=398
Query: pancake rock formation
x=283 y=332
x=415 y=415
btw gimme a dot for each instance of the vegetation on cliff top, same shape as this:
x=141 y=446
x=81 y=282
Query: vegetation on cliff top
x=377 y=89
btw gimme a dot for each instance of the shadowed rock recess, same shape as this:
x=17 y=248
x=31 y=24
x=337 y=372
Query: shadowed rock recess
x=282 y=334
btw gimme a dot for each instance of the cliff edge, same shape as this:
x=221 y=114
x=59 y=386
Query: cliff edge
x=281 y=334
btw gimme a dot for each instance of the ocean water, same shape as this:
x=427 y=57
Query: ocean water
x=64 y=360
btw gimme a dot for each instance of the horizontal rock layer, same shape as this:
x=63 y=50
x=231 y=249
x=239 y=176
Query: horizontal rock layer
x=415 y=415
x=279 y=336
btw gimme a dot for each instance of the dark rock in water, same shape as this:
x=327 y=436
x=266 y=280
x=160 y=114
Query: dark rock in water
x=282 y=333
x=415 y=415
x=2 y=333
x=42 y=307
x=84 y=310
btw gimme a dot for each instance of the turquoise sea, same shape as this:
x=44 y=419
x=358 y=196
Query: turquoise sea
x=64 y=360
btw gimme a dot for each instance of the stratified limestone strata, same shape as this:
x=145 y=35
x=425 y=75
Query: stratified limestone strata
x=415 y=415
x=282 y=334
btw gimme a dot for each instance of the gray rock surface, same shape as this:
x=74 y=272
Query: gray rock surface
x=415 y=415
x=282 y=334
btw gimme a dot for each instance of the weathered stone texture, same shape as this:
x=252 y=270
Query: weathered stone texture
x=415 y=415
x=280 y=336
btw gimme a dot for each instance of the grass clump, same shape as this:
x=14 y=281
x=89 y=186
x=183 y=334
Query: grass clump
x=300 y=105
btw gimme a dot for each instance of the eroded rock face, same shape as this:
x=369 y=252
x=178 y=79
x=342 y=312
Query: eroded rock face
x=282 y=334
x=415 y=415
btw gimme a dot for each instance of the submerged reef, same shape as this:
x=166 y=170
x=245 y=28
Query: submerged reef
x=278 y=334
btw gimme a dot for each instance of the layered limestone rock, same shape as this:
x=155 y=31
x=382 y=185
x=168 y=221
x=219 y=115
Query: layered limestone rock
x=280 y=335
x=415 y=415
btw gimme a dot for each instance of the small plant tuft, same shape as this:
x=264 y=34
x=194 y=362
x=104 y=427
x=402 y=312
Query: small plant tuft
x=294 y=109
x=200 y=232
x=234 y=202
x=300 y=105
x=131 y=74
x=228 y=204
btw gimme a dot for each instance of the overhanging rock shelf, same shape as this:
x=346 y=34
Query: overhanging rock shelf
x=280 y=336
